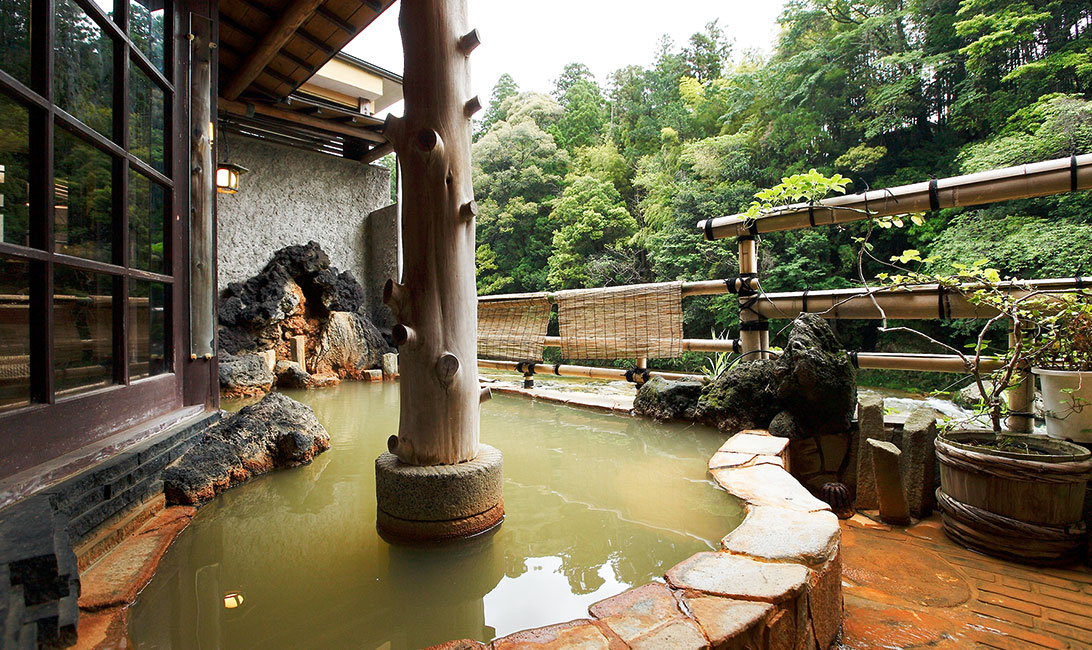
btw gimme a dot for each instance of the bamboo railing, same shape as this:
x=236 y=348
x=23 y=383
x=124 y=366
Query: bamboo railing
x=921 y=302
x=1022 y=182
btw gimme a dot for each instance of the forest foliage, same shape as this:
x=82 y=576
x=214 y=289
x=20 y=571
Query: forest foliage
x=601 y=182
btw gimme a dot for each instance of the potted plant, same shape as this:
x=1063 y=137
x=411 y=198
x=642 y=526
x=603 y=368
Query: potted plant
x=1063 y=362
x=1010 y=495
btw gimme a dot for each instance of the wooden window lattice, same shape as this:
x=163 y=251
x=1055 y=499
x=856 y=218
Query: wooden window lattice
x=643 y=320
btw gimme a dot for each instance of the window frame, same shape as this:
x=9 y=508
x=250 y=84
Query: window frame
x=54 y=424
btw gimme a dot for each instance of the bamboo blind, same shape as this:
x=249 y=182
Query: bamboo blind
x=513 y=329
x=15 y=367
x=641 y=320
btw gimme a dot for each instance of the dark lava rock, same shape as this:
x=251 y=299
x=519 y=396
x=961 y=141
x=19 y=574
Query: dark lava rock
x=299 y=293
x=665 y=399
x=340 y=291
x=295 y=273
x=291 y=375
x=810 y=390
x=261 y=300
x=784 y=425
x=815 y=379
x=742 y=397
x=235 y=341
x=275 y=432
x=244 y=375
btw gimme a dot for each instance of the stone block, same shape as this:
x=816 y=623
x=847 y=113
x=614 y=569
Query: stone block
x=888 y=477
x=734 y=576
x=270 y=358
x=373 y=375
x=767 y=485
x=580 y=633
x=751 y=443
x=870 y=427
x=680 y=634
x=297 y=350
x=439 y=502
x=814 y=538
x=919 y=462
x=729 y=623
x=390 y=365
x=638 y=611
x=825 y=601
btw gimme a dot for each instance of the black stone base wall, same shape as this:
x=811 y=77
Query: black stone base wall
x=39 y=580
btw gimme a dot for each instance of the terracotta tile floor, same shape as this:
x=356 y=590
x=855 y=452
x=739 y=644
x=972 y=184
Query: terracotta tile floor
x=914 y=588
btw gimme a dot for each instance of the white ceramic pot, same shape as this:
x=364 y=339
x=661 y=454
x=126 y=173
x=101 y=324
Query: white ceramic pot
x=1068 y=412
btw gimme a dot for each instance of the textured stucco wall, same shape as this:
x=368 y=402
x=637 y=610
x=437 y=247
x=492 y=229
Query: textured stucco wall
x=381 y=264
x=290 y=197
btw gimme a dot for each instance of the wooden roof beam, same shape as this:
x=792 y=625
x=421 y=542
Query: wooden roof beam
x=294 y=16
x=337 y=21
x=247 y=110
x=234 y=24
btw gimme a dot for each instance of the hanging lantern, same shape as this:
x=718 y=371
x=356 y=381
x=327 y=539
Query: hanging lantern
x=232 y=599
x=227 y=177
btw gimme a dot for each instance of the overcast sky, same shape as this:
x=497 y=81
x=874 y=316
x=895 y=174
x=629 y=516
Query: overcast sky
x=532 y=41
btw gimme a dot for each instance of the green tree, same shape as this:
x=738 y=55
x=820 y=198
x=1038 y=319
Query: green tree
x=504 y=88
x=584 y=108
x=594 y=228
x=518 y=171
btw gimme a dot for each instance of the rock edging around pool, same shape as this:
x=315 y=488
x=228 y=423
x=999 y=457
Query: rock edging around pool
x=775 y=583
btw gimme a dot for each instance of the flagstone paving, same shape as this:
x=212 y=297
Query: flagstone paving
x=914 y=588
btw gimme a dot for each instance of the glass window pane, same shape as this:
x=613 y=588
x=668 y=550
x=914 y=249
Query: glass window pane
x=14 y=333
x=15 y=38
x=147 y=28
x=83 y=200
x=147 y=329
x=83 y=78
x=146 y=204
x=83 y=325
x=145 y=118
x=14 y=164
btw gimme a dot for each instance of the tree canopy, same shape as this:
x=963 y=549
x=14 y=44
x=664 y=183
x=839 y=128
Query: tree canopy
x=602 y=183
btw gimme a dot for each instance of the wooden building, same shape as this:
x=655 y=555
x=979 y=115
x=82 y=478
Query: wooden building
x=107 y=237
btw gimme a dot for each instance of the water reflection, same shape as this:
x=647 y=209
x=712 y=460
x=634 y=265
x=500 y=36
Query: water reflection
x=596 y=504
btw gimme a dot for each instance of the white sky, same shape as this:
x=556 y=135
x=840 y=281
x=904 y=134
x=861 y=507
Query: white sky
x=534 y=40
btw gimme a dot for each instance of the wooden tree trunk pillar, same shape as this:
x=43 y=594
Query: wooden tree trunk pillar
x=436 y=302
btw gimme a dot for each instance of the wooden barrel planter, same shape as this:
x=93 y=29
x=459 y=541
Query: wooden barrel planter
x=1016 y=506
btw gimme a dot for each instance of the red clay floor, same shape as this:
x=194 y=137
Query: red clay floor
x=914 y=588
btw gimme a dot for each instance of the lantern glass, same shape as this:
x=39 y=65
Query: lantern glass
x=227 y=180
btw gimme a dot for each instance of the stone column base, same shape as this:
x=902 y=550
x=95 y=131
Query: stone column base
x=438 y=502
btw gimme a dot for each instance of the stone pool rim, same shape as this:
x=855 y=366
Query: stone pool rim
x=762 y=589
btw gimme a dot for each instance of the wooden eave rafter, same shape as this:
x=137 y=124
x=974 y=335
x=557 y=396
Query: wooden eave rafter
x=277 y=45
x=269 y=48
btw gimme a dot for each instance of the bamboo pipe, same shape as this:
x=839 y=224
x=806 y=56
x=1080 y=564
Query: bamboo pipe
x=912 y=303
x=1021 y=398
x=590 y=372
x=1022 y=182
x=695 y=345
x=750 y=339
x=720 y=287
x=920 y=362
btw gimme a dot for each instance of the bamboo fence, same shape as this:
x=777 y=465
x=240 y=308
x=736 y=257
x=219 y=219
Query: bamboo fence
x=595 y=335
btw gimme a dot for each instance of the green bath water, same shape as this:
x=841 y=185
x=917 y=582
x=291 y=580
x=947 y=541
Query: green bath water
x=595 y=504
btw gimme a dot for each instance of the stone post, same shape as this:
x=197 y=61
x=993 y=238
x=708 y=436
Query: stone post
x=870 y=427
x=885 y=465
x=919 y=461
